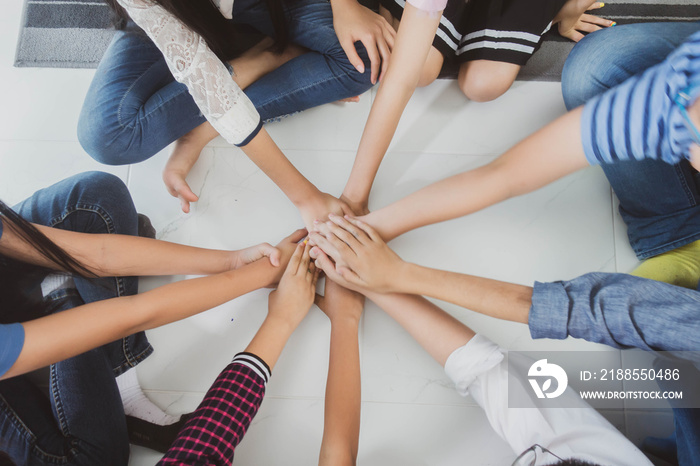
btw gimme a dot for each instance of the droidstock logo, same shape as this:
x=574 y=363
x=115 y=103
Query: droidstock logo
x=543 y=371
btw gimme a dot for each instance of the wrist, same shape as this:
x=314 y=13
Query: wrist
x=283 y=320
x=355 y=195
x=230 y=260
x=305 y=196
x=406 y=278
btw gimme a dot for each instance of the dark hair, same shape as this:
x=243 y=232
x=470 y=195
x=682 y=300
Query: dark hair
x=202 y=17
x=16 y=304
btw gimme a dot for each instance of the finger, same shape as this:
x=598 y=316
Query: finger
x=353 y=57
x=304 y=262
x=375 y=60
x=272 y=253
x=314 y=278
x=593 y=19
x=573 y=35
x=184 y=205
x=385 y=52
x=371 y=232
x=323 y=245
x=595 y=6
x=588 y=27
x=388 y=31
x=351 y=277
x=341 y=240
x=323 y=262
x=346 y=210
x=320 y=227
x=186 y=193
x=293 y=265
x=296 y=236
x=347 y=232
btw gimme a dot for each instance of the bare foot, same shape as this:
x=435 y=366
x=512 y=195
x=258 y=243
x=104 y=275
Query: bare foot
x=181 y=161
x=260 y=60
x=573 y=20
x=351 y=99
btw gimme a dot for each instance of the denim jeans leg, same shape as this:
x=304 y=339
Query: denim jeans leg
x=320 y=76
x=134 y=107
x=94 y=202
x=660 y=203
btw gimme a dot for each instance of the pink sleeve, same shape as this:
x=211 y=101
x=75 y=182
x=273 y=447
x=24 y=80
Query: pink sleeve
x=429 y=6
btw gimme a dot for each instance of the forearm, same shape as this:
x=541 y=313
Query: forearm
x=271 y=339
x=436 y=331
x=121 y=255
x=263 y=151
x=506 y=301
x=341 y=429
x=551 y=153
x=413 y=42
x=66 y=334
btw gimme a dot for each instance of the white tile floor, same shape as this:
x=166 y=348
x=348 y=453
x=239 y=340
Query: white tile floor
x=559 y=232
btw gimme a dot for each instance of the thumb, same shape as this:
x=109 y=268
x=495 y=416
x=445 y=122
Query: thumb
x=273 y=254
x=186 y=193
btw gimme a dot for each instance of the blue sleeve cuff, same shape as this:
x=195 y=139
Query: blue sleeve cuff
x=252 y=135
x=11 y=343
x=0 y=226
x=549 y=313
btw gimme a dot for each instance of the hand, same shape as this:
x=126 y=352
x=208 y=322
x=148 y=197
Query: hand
x=297 y=289
x=352 y=23
x=320 y=206
x=338 y=302
x=572 y=19
x=361 y=260
x=254 y=253
x=287 y=247
x=177 y=187
x=358 y=208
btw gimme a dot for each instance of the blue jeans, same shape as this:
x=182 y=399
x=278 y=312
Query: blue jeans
x=134 y=107
x=83 y=422
x=660 y=203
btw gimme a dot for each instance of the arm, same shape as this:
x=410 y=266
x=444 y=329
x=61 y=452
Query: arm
x=551 y=153
x=618 y=310
x=123 y=255
x=363 y=261
x=225 y=105
x=341 y=428
x=312 y=203
x=65 y=334
x=194 y=64
x=413 y=42
x=237 y=393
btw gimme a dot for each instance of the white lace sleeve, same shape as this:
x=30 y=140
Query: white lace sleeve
x=194 y=64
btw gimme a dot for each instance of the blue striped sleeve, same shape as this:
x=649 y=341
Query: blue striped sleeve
x=639 y=119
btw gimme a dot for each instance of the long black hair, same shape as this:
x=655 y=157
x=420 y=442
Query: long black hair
x=202 y=17
x=16 y=305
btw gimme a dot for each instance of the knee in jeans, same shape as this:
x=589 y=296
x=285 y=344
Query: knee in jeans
x=107 y=141
x=112 y=196
x=588 y=67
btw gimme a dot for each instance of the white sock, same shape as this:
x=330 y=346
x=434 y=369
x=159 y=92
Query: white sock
x=137 y=404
